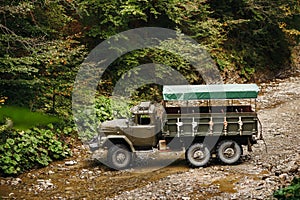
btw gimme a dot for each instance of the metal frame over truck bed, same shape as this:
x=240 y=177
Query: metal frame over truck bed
x=211 y=128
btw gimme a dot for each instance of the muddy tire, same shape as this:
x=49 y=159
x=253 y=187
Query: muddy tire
x=119 y=157
x=197 y=155
x=229 y=151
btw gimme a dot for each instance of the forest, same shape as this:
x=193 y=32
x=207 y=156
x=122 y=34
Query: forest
x=44 y=42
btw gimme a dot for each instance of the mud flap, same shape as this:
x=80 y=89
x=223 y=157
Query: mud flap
x=249 y=145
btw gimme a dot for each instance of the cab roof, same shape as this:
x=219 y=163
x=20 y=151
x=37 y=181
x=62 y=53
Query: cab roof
x=143 y=108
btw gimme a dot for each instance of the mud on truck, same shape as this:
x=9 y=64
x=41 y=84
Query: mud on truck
x=203 y=121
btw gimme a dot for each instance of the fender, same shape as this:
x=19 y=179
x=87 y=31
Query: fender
x=110 y=138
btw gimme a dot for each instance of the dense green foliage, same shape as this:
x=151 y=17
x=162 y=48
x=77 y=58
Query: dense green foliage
x=42 y=80
x=22 y=150
x=43 y=43
x=106 y=109
x=292 y=192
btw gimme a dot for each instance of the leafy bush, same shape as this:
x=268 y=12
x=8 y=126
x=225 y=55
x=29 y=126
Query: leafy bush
x=108 y=109
x=291 y=192
x=23 y=150
x=105 y=109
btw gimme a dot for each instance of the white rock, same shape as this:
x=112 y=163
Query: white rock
x=71 y=162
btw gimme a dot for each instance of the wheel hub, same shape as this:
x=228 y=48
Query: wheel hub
x=121 y=157
x=229 y=152
x=198 y=154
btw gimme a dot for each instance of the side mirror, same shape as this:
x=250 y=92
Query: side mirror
x=127 y=122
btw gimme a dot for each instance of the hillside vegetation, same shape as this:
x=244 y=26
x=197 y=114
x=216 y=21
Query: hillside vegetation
x=44 y=42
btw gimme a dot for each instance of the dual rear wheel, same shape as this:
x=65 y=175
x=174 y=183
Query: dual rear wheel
x=228 y=152
x=197 y=155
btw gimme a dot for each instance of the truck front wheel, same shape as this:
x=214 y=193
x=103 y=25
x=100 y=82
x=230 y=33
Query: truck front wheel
x=229 y=151
x=119 y=156
x=198 y=155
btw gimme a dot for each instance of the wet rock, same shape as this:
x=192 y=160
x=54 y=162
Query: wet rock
x=267 y=166
x=62 y=169
x=32 y=176
x=294 y=169
x=16 y=181
x=2 y=182
x=50 y=172
x=259 y=187
x=44 y=184
x=284 y=178
x=71 y=162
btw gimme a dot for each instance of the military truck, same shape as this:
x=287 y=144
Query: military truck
x=204 y=121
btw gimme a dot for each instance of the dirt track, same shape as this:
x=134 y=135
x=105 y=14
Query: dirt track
x=256 y=177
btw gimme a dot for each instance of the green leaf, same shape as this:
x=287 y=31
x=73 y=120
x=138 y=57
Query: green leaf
x=51 y=126
x=17 y=157
x=10 y=141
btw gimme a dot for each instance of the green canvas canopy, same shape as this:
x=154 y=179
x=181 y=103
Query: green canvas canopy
x=205 y=92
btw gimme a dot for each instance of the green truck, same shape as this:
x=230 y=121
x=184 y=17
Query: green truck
x=204 y=121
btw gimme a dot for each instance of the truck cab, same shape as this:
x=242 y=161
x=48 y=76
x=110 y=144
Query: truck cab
x=143 y=129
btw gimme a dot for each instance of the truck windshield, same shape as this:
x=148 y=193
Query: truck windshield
x=143 y=119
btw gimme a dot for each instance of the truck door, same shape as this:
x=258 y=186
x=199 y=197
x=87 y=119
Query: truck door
x=143 y=131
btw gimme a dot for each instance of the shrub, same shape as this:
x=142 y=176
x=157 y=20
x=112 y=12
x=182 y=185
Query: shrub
x=291 y=192
x=105 y=109
x=23 y=150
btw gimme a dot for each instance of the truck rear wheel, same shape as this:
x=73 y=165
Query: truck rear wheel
x=229 y=151
x=119 y=156
x=198 y=155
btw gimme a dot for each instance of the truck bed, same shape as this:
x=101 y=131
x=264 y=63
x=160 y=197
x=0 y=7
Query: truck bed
x=239 y=120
